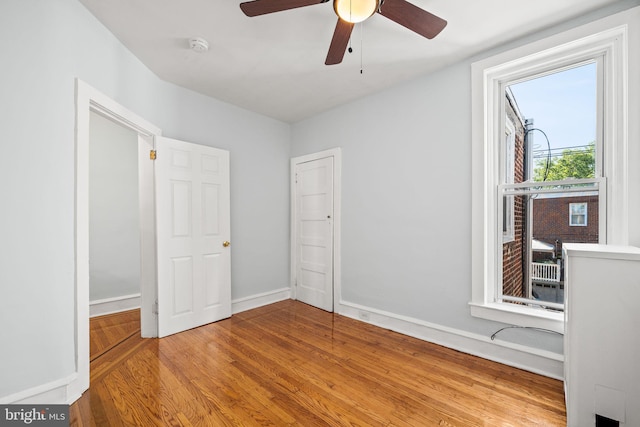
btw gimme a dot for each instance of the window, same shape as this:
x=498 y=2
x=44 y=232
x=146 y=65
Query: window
x=578 y=214
x=508 y=204
x=552 y=160
x=505 y=269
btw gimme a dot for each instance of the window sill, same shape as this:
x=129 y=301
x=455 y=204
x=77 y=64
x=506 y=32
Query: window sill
x=519 y=315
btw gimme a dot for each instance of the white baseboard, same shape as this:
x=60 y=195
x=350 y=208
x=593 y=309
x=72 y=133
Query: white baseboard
x=254 y=301
x=113 y=305
x=519 y=356
x=52 y=393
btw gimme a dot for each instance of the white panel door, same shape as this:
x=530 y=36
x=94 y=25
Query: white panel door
x=314 y=233
x=193 y=232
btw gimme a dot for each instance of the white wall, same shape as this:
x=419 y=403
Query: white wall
x=45 y=45
x=114 y=220
x=405 y=202
x=406 y=226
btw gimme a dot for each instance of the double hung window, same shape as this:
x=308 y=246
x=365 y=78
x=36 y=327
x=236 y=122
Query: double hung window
x=545 y=119
x=578 y=214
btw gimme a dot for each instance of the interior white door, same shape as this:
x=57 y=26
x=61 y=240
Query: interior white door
x=314 y=232
x=193 y=233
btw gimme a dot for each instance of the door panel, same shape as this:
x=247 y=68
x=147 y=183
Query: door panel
x=314 y=240
x=193 y=221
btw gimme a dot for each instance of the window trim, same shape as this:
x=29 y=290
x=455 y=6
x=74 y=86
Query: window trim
x=606 y=38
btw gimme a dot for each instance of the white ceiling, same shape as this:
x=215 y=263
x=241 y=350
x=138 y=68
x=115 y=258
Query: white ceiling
x=274 y=64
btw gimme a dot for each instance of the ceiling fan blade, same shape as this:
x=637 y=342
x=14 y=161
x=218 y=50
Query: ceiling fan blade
x=262 y=7
x=412 y=17
x=339 y=42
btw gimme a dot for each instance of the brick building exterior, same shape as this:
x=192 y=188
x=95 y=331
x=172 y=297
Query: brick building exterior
x=513 y=252
x=551 y=221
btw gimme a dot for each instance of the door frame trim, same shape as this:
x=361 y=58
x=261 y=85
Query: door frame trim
x=89 y=99
x=336 y=153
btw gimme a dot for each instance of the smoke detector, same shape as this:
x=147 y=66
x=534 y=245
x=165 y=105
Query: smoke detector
x=198 y=44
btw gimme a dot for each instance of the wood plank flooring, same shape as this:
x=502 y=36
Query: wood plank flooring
x=106 y=332
x=291 y=364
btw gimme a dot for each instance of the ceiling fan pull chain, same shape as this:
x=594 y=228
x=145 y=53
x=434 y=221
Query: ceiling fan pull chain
x=361 y=48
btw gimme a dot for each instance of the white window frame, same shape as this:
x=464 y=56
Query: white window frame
x=585 y=214
x=606 y=39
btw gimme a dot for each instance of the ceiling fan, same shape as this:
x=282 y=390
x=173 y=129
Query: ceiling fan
x=351 y=12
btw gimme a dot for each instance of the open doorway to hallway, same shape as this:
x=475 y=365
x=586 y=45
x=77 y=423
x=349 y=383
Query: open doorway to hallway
x=114 y=234
x=114 y=217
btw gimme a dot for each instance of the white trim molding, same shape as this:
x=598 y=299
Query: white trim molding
x=54 y=392
x=254 y=301
x=114 y=305
x=530 y=359
x=606 y=41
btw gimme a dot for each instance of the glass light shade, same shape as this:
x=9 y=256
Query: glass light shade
x=355 y=10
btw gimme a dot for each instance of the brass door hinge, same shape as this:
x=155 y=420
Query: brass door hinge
x=152 y=154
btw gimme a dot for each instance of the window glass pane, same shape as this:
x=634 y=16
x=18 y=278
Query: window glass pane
x=508 y=225
x=554 y=121
x=560 y=110
x=578 y=208
x=532 y=264
x=514 y=253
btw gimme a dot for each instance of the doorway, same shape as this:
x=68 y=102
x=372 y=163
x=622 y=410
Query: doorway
x=190 y=184
x=315 y=228
x=114 y=217
x=90 y=100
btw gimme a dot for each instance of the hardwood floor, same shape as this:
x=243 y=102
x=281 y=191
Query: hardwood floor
x=291 y=364
x=106 y=332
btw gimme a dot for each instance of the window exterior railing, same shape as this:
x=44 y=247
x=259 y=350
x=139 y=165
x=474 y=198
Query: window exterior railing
x=545 y=272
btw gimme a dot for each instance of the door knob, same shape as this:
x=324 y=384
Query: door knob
x=226 y=243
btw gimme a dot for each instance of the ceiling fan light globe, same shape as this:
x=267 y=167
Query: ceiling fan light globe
x=355 y=11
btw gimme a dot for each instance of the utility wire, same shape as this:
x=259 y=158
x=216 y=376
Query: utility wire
x=493 y=337
x=548 y=162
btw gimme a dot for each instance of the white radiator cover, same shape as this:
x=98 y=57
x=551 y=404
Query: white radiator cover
x=602 y=333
